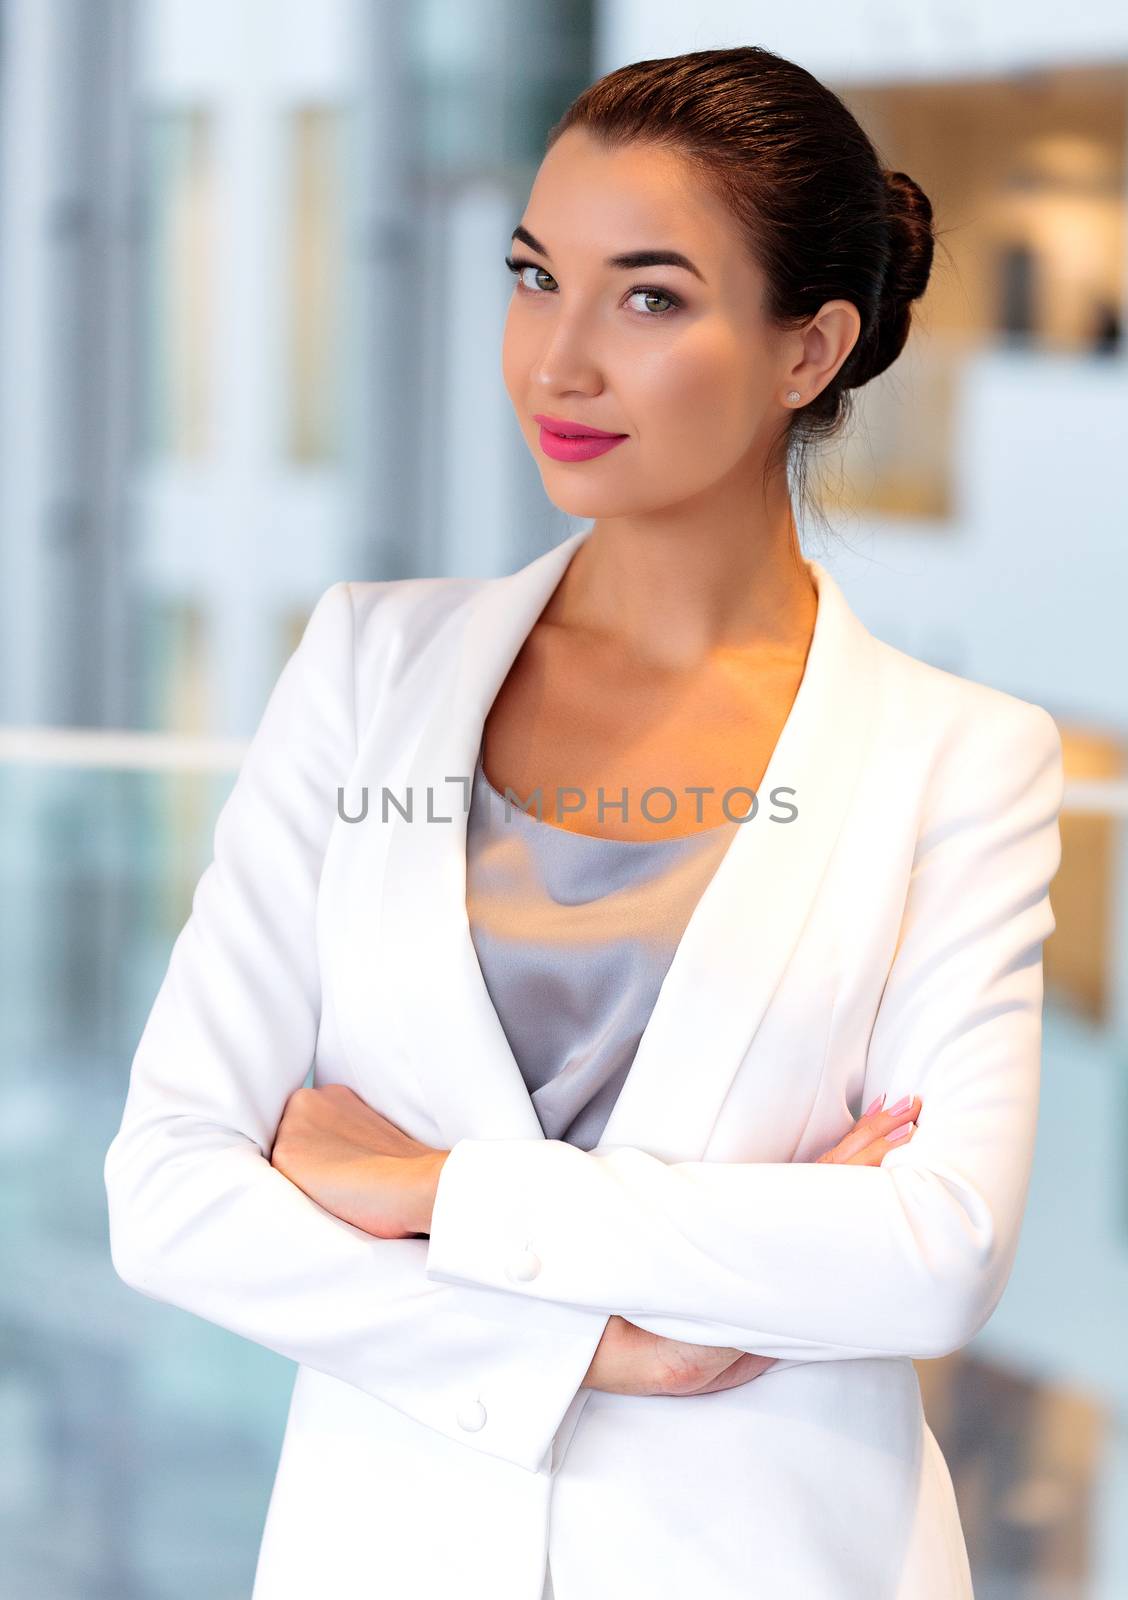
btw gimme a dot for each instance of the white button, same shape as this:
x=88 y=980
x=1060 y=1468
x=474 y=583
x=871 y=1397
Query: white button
x=523 y=1267
x=472 y=1416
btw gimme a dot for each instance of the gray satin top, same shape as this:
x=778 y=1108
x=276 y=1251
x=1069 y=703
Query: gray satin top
x=574 y=934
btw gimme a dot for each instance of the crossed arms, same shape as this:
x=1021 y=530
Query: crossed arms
x=803 y=1261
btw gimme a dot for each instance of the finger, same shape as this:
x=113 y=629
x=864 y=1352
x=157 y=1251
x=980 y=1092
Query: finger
x=899 y=1136
x=874 y=1124
x=883 y=1122
x=743 y=1370
x=874 y=1154
x=859 y=1136
x=887 y=1121
x=863 y=1128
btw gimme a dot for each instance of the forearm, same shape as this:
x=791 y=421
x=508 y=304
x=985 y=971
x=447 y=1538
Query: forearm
x=199 y=1219
x=785 y=1260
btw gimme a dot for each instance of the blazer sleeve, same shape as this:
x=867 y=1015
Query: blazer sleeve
x=809 y=1261
x=199 y=1218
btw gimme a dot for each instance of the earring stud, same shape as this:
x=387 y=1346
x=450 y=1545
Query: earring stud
x=793 y=396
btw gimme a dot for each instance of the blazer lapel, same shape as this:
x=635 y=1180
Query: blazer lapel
x=735 y=947
x=446 y=1018
x=745 y=926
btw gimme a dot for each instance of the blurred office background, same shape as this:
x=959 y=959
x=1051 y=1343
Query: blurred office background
x=250 y=272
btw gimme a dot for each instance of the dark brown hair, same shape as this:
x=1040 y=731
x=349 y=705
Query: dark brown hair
x=823 y=218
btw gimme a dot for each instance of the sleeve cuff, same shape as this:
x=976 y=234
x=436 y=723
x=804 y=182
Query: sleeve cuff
x=531 y=1398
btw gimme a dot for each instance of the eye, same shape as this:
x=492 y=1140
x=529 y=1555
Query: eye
x=519 y=265
x=656 y=294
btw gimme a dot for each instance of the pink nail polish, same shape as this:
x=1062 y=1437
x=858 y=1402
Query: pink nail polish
x=902 y=1132
x=902 y=1105
x=874 y=1105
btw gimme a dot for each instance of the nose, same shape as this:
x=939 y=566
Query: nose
x=567 y=363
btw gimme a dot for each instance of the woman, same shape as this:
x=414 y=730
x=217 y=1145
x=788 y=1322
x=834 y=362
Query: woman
x=573 y=1309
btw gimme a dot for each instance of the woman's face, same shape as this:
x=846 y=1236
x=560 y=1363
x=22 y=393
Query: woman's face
x=681 y=362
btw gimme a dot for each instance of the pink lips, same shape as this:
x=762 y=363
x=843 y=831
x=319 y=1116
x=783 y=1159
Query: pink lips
x=586 y=442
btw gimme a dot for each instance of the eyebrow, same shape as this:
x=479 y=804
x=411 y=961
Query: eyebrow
x=628 y=261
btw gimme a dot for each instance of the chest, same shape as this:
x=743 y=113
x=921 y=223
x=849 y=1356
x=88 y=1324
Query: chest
x=625 y=750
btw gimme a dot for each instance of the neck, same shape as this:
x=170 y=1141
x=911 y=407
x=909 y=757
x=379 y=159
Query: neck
x=680 y=597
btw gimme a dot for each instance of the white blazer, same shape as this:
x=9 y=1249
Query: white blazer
x=888 y=938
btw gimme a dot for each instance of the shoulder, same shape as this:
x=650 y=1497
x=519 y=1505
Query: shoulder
x=363 y=617
x=404 y=632
x=955 y=708
x=363 y=634
x=404 y=612
x=419 y=604
x=967 y=730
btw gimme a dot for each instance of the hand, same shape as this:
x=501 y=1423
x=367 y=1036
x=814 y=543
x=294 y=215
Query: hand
x=868 y=1141
x=356 y=1163
x=630 y=1360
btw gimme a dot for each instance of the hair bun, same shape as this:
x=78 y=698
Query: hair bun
x=910 y=238
x=907 y=270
